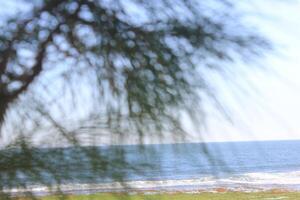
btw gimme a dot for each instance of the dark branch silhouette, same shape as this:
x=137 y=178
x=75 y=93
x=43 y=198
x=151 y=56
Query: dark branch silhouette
x=144 y=70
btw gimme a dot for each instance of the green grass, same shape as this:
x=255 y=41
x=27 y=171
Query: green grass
x=271 y=195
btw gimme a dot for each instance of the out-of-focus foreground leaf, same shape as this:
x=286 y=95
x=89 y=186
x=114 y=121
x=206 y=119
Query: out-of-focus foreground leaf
x=114 y=69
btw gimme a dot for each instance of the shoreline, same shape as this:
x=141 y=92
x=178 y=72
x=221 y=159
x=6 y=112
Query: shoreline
x=240 y=183
x=206 y=184
x=156 y=191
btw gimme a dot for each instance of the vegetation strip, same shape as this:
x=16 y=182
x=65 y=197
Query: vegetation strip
x=274 y=194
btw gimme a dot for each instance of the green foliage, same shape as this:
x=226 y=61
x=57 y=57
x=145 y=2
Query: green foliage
x=180 y=196
x=141 y=63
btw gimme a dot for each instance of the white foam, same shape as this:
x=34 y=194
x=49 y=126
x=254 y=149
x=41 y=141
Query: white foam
x=244 y=182
x=279 y=178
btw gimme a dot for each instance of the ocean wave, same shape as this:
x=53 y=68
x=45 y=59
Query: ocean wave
x=241 y=182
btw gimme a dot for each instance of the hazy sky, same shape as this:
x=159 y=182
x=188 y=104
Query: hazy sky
x=273 y=110
x=267 y=107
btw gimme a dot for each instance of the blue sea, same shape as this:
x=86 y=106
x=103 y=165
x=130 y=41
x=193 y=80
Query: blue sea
x=246 y=166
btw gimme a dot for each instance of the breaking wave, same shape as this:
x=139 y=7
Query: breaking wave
x=243 y=182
